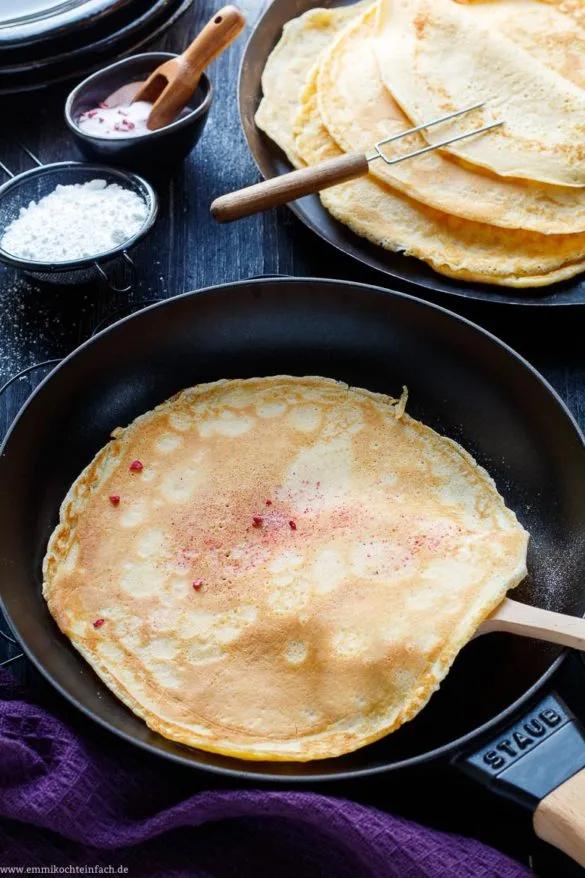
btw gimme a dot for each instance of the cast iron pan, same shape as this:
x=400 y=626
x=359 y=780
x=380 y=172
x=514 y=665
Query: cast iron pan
x=271 y=161
x=462 y=381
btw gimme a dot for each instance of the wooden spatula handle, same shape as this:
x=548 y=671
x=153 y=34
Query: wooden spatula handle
x=217 y=34
x=529 y=621
x=560 y=817
x=287 y=187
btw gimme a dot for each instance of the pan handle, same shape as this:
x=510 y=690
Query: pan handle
x=539 y=762
x=559 y=818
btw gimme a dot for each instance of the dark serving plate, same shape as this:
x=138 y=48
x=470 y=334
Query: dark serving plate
x=271 y=161
x=148 y=20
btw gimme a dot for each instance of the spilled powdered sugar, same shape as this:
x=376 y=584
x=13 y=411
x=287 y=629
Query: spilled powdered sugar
x=75 y=222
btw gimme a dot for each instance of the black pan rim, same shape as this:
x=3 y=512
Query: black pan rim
x=494 y=294
x=446 y=750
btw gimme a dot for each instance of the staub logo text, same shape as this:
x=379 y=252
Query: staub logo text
x=521 y=738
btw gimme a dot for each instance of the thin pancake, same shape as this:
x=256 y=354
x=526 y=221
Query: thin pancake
x=358 y=111
x=454 y=247
x=435 y=56
x=321 y=619
x=553 y=33
x=285 y=73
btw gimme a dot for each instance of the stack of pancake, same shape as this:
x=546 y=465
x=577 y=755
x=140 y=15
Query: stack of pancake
x=506 y=207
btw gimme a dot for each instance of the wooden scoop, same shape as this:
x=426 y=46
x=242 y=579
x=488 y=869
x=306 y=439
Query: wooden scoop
x=530 y=621
x=170 y=87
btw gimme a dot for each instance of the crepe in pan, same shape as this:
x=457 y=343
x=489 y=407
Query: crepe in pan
x=289 y=575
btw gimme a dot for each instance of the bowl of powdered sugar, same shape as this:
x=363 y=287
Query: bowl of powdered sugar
x=70 y=221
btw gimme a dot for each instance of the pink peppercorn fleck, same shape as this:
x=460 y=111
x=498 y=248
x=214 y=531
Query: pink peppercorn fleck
x=197 y=584
x=114 y=499
x=98 y=623
x=269 y=502
x=136 y=466
x=257 y=521
x=292 y=524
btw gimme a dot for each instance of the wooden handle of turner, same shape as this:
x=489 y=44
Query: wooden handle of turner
x=528 y=621
x=560 y=817
x=287 y=187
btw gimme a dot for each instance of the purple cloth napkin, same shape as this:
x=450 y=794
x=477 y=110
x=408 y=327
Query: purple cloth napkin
x=65 y=801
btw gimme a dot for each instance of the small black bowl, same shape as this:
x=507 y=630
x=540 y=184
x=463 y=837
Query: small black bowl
x=165 y=146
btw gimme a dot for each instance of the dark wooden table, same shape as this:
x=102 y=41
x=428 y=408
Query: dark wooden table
x=188 y=250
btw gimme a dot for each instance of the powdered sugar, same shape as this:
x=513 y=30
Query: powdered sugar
x=75 y=222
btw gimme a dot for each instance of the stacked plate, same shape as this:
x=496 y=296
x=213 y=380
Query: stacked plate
x=46 y=41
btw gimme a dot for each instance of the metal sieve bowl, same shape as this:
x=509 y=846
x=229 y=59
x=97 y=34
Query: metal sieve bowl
x=33 y=185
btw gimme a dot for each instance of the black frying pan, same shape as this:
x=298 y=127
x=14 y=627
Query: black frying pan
x=462 y=381
x=271 y=162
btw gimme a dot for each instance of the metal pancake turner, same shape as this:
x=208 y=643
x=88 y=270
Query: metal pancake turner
x=288 y=187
